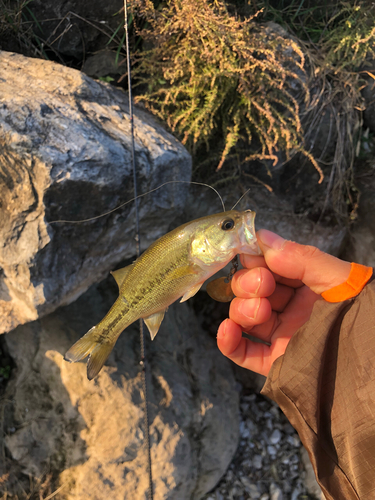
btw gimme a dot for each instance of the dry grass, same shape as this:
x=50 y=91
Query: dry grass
x=337 y=96
x=17 y=28
x=33 y=489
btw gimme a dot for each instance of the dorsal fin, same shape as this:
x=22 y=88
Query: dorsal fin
x=120 y=274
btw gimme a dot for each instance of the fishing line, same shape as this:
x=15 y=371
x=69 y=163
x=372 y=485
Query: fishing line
x=245 y=193
x=136 y=199
x=138 y=241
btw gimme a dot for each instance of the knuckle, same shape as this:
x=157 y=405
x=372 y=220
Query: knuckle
x=308 y=251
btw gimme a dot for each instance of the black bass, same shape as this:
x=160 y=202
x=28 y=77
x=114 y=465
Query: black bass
x=176 y=265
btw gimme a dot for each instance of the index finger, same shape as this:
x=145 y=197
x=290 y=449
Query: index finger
x=252 y=261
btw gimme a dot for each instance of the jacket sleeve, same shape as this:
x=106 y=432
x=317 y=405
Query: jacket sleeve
x=325 y=385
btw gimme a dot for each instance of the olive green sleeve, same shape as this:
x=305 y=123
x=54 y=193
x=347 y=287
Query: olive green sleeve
x=325 y=385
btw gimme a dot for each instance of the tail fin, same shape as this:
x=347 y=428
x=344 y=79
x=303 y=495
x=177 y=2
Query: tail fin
x=94 y=346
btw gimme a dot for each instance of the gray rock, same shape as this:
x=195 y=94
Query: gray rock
x=251 y=488
x=91 y=434
x=271 y=450
x=104 y=63
x=275 y=436
x=296 y=493
x=275 y=492
x=257 y=462
x=294 y=440
x=65 y=153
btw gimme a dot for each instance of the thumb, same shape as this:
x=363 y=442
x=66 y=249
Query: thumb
x=316 y=269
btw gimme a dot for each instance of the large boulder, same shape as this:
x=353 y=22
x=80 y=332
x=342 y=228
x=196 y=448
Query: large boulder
x=65 y=153
x=90 y=435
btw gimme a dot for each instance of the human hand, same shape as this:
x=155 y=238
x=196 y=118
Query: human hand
x=275 y=295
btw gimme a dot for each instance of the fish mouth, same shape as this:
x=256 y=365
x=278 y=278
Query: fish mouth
x=248 y=238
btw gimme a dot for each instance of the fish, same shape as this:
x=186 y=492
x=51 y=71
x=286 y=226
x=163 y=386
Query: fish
x=174 y=267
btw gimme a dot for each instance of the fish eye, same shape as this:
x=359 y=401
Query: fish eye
x=227 y=224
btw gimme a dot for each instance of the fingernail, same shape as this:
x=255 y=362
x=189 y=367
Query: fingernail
x=249 y=308
x=271 y=240
x=251 y=285
x=222 y=331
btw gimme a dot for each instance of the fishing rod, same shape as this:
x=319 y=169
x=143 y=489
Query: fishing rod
x=138 y=246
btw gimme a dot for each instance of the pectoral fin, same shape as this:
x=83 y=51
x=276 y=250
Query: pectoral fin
x=191 y=292
x=120 y=274
x=153 y=322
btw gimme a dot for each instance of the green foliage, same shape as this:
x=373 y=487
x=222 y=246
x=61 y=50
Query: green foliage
x=350 y=37
x=107 y=79
x=340 y=34
x=5 y=371
x=209 y=74
x=11 y=17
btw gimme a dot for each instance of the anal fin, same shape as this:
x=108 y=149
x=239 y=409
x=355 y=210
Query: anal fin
x=153 y=322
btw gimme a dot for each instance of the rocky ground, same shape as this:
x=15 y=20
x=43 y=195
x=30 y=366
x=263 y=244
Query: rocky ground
x=270 y=462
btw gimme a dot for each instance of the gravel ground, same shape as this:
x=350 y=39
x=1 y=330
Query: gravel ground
x=270 y=462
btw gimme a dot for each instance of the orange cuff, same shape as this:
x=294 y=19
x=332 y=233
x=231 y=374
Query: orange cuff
x=358 y=277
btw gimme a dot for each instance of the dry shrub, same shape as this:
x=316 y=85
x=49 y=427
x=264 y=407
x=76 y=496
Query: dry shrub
x=209 y=74
x=338 y=97
x=337 y=63
x=16 y=28
x=217 y=79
